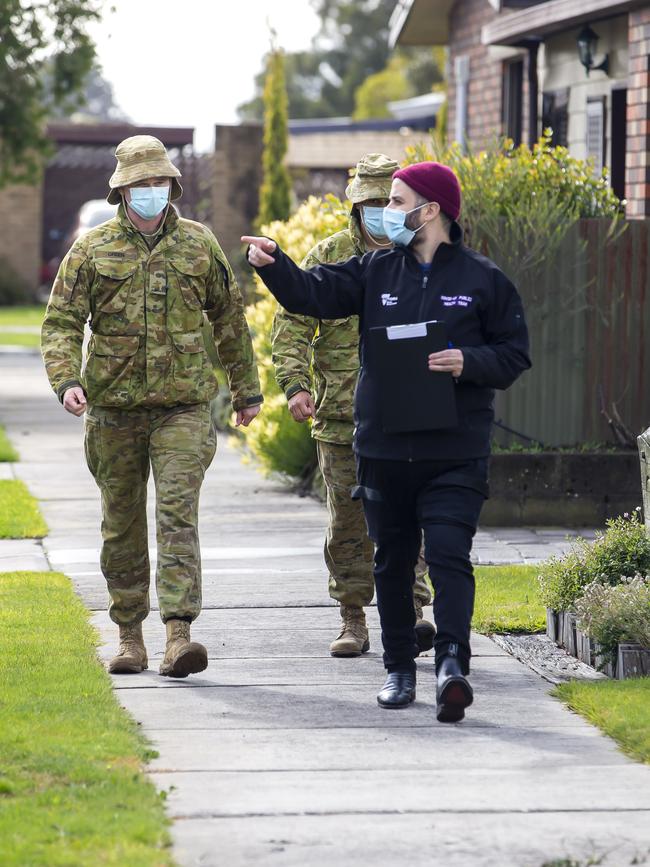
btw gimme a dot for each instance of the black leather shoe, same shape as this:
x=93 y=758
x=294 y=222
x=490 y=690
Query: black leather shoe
x=453 y=693
x=398 y=691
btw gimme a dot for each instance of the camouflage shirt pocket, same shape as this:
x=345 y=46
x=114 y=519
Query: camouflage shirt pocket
x=335 y=394
x=109 y=369
x=190 y=275
x=186 y=293
x=192 y=371
x=112 y=285
x=336 y=369
x=337 y=343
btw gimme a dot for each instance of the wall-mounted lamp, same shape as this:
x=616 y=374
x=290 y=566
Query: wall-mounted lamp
x=587 y=45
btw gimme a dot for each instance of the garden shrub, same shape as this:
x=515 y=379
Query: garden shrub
x=503 y=178
x=563 y=579
x=622 y=550
x=520 y=202
x=280 y=444
x=613 y=614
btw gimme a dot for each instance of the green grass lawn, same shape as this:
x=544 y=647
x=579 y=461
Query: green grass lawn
x=27 y=315
x=20 y=517
x=7 y=451
x=12 y=338
x=21 y=317
x=72 y=790
x=507 y=600
x=620 y=708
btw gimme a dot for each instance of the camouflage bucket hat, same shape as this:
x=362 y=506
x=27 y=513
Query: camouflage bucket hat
x=372 y=179
x=140 y=157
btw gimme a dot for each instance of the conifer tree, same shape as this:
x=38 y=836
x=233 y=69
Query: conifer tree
x=275 y=192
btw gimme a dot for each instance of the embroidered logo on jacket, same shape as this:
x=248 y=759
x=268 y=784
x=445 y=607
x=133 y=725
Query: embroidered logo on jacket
x=388 y=300
x=456 y=300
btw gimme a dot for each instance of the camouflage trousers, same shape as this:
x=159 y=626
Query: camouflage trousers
x=349 y=553
x=121 y=446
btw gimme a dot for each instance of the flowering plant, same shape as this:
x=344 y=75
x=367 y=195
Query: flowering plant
x=280 y=444
x=614 y=614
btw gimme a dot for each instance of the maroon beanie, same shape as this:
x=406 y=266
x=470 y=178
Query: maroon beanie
x=437 y=183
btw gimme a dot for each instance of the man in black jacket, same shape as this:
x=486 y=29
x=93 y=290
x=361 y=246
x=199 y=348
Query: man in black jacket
x=431 y=481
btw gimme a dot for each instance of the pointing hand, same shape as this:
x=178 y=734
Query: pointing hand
x=259 y=250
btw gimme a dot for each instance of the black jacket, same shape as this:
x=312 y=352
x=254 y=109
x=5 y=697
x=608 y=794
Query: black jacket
x=482 y=311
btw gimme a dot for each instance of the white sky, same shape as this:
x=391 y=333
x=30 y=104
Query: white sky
x=192 y=62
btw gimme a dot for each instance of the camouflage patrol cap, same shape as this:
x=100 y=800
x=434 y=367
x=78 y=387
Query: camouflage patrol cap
x=372 y=179
x=140 y=157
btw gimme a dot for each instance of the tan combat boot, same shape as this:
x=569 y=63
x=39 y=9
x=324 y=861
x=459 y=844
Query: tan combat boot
x=132 y=654
x=182 y=656
x=425 y=631
x=352 y=640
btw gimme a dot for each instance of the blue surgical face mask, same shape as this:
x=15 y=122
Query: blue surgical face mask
x=373 y=220
x=395 y=227
x=148 y=202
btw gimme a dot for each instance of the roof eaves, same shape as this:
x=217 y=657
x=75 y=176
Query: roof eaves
x=544 y=19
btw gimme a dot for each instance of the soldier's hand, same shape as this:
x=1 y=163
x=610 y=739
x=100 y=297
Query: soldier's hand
x=246 y=416
x=74 y=400
x=447 y=361
x=301 y=406
x=259 y=250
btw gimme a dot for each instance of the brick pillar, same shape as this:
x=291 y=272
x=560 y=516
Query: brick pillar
x=20 y=238
x=236 y=181
x=637 y=165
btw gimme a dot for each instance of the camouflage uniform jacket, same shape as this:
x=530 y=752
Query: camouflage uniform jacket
x=333 y=345
x=146 y=311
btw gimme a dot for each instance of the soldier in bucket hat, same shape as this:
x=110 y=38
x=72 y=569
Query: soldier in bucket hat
x=324 y=392
x=148 y=280
x=138 y=158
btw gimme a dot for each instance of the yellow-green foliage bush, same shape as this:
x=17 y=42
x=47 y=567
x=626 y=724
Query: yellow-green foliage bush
x=519 y=202
x=281 y=444
x=503 y=178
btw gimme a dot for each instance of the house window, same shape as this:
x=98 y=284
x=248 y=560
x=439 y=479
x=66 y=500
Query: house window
x=555 y=114
x=512 y=111
x=596 y=132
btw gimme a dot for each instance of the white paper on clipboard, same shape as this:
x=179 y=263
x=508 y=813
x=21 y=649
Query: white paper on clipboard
x=401 y=332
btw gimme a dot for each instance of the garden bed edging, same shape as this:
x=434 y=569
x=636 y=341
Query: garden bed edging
x=632 y=660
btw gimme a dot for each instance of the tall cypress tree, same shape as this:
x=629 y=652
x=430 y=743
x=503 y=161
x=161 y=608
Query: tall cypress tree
x=275 y=192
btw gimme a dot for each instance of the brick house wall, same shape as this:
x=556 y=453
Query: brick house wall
x=20 y=232
x=637 y=169
x=485 y=74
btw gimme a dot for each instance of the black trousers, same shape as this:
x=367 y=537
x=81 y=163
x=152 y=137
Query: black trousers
x=442 y=501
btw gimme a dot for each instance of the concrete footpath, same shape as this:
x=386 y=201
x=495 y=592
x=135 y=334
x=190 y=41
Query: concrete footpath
x=278 y=754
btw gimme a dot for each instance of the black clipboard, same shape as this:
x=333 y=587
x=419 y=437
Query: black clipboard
x=412 y=397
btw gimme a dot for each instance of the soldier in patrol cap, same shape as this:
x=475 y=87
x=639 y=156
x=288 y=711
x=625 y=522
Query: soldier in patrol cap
x=148 y=280
x=324 y=392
